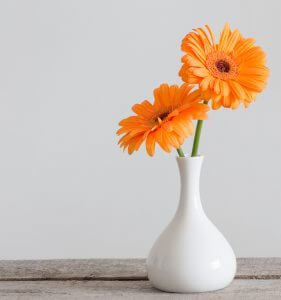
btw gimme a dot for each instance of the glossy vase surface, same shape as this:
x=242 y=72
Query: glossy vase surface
x=191 y=255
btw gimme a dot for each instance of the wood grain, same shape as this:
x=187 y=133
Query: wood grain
x=75 y=269
x=256 y=279
x=117 y=269
x=82 y=290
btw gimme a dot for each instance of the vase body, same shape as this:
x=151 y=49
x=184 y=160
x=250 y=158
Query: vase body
x=191 y=255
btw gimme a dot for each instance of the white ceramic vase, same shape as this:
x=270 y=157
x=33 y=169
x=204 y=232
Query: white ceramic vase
x=191 y=255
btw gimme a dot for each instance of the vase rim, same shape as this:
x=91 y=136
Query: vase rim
x=190 y=157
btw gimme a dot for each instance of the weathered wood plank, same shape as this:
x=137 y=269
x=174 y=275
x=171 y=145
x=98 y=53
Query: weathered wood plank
x=239 y=289
x=79 y=269
x=259 y=268
x=117 y=269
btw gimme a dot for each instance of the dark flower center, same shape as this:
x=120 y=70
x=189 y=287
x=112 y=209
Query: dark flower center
x=161 y=117
x=223 y=66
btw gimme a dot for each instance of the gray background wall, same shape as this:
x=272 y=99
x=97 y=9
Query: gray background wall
x=69 y=71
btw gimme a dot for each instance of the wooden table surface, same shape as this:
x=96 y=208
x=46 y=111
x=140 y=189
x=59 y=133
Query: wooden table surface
x=256 y=278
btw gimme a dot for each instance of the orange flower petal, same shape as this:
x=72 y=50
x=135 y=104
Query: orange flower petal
x=224 y=37
x=150 y=144
x=200 y=72
x=204 y=85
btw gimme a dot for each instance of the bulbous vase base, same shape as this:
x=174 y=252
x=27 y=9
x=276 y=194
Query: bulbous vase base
x=183 y=262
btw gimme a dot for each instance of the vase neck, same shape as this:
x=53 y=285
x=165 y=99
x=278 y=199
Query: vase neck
x=190 y=169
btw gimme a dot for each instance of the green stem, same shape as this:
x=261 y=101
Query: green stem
x=197 y=136
x=180 y=152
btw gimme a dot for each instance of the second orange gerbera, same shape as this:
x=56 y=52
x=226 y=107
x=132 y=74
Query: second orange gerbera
x=168 y=121
x=229 y=72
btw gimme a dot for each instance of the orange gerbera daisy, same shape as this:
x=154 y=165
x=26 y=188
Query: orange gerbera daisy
x=168 y=121
x=230 y=72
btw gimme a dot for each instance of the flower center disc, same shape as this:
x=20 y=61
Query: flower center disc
x=163 y=115
x=223 y=66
